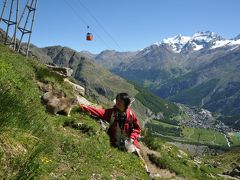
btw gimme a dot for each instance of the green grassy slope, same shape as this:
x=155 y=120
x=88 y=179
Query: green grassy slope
x=178 y=161
x=194 y=96
x=204 y=136
x=155 y=103
x=35 y=144
x=191 y=135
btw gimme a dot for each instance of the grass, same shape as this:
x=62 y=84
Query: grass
x=190 y=135
x=155 y=103
x=195 y=136
x=178 y=161
x=204 y=136
x=165 y=125
x=164 y=128
x=195 y=95
x=38 y=145
x=234 y=138
x=226 y=161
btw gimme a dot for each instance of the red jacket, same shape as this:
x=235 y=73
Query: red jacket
x=106 y=115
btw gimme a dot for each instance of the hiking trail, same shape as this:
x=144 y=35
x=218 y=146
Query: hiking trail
x=155 y=170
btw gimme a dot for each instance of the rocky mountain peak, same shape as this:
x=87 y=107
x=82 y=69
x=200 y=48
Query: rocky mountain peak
x=176 y=43
x=198 y=41
x=206 y=36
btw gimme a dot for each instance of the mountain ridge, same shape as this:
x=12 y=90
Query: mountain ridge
x=191 y=60
x=100 y=84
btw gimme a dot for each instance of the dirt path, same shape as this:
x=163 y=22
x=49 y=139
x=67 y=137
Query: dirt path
x=156 y=171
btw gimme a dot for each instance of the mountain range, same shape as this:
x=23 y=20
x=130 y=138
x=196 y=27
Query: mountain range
x=101 y=86
x=200 y=70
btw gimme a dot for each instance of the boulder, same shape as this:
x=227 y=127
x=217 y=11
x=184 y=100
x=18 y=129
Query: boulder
x=234 y=173
x=62 y=71
x=77 y=88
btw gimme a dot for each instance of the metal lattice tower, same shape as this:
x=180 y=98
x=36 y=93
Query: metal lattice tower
x=10 y=22
x=25 y=29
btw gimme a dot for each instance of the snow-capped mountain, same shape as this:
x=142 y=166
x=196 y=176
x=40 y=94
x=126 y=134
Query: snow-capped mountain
x=202 y=70
x=199 y=41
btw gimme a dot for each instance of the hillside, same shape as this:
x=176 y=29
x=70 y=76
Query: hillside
x=110 y=59
x=101 y=85
x=36 y=144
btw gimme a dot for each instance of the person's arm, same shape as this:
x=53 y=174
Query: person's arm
x=136 y=128
x=100 y=113
x=104 y=114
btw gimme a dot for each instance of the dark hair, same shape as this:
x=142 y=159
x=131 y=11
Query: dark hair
x=125 y=97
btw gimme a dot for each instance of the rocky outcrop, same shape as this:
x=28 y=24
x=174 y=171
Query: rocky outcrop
x=235 y=172
x=77 y=88
x=62 y=71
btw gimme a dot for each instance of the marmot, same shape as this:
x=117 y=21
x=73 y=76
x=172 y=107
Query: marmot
x=55 y=103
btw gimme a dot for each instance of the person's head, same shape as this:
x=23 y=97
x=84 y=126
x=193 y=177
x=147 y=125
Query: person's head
x=122 y=101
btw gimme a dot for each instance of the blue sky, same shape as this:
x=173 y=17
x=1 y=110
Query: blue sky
x=129 y=25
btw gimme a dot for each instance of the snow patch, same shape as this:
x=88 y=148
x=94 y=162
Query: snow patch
x=223 y=43
x=198 y=41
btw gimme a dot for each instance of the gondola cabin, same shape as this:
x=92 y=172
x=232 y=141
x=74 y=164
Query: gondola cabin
x=89 y=37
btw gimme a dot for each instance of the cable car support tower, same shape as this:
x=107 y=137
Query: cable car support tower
x=28 y=14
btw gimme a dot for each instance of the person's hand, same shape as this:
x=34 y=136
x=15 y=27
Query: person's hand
x=79 y=100
x=130 y=147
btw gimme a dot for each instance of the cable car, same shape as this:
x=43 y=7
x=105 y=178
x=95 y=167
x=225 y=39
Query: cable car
x=89 y=36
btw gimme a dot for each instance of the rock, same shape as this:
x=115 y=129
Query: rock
x=84 y=101
x=62 y=71
x=234 y=173
x=77 y=88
